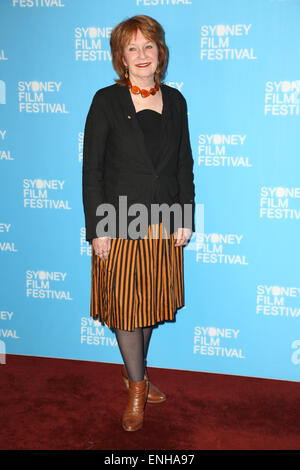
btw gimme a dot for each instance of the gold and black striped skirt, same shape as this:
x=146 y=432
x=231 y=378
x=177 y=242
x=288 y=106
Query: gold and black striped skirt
x=140 y=283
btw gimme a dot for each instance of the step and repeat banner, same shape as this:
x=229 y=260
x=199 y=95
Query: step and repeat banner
x=237 y=62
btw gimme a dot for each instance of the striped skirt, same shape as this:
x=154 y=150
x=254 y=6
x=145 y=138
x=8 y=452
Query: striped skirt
x=140 y=283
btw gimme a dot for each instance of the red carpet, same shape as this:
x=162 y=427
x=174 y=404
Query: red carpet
x=62 y=404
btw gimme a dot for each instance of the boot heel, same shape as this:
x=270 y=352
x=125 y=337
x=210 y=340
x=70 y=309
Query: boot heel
x=126 y=381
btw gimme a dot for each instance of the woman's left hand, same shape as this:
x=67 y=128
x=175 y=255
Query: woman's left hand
x=182 y=236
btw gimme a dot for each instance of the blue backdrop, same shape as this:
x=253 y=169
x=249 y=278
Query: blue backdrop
x=237 y=62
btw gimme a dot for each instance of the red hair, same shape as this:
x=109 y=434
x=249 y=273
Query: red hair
x=121 y=36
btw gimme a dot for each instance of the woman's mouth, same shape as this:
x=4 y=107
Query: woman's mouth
x=143 y=65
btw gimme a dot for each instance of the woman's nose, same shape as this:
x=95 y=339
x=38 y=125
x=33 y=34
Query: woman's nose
x=142 y=53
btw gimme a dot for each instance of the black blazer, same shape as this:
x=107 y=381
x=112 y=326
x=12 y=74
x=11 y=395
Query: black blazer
x=115 y=160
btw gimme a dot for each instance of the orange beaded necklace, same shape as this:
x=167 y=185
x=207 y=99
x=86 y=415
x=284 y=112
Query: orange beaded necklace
x=144 y=93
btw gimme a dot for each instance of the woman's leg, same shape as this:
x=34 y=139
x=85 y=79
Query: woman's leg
x=147 y=335
x=134 y=348
x=131 y=344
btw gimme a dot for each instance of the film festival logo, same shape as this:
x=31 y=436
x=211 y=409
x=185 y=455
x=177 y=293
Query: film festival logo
x=222 y=150
x=278 y=301
x=275 y=203
x=39 y=97
x=216 y=41
x=92 y=43
x=93 y=334
x=220 y=248
x=46 y=285
x=36 y=194
x=209 y=341
x=282 y=98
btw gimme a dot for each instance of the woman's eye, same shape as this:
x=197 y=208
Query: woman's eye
x=149 y=47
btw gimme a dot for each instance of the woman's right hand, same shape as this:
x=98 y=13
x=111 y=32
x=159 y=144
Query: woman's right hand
x=102 y=247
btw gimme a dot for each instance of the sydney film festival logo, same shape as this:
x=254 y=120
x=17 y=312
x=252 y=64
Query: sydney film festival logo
x=218 y=342
x=93 y=334
x=226 y=42
x=278 y=301
x=44 y=194
x=220 y=248
x=42 y=284
x=282 y=98
x=40 y=97
x=92 y=43
x=279 y=202
x=220 y=150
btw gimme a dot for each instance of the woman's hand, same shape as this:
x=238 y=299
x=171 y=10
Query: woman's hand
x=182 y=236
x=102 y=247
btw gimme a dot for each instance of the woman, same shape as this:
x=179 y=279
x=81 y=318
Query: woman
x=136 y=144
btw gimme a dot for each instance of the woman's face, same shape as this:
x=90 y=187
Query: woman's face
x=140 y=57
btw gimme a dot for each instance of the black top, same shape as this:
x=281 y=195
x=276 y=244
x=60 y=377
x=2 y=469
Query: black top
x=150 y=123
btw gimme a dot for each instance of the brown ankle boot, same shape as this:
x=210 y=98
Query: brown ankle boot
x=133 y=416
x=154 y=395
